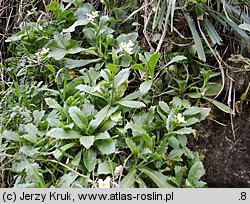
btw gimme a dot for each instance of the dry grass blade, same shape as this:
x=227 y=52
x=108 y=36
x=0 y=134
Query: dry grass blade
x=146 y=20
x=165 y=26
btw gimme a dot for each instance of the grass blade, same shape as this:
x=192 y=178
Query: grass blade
x=213 y=35
x=197 y=40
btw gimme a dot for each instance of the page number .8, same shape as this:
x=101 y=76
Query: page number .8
x=243 y=196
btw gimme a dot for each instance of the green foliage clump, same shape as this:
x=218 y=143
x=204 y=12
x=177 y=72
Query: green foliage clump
x=84 y=102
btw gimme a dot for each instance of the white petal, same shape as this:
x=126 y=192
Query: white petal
x=100 y=183
x=95 y=14
x=89 y=15
x=130 y=43
x=107 y=180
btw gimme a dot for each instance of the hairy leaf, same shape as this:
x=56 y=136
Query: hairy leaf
x=89 y=159
x=132 y=146
x=131 y=104
x=196 y=172
x=121 y=77
x=62 y=45
x=160 y=180
x=77 y=23
x=66 y=180
x=106 y=146
x=220 y=105
x=70 y=63
x=77 y=116
x=59 y=133
x=145 y=86
x=99 y=118
x=87 y=141
x=129 y=180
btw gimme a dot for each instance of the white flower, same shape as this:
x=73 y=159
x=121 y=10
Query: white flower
x=41 y=55
x=105 y=183
x=44 y=51
x=127 y=47
x=95 y=14
x=92 y=15
x=180 y=118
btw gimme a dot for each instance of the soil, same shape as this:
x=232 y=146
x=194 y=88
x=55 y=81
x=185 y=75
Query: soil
x=227 y=159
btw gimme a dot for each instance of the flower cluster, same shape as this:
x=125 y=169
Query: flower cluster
x=41 y=55
x=127 y=47
x=180 y=118
x=92 y=15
